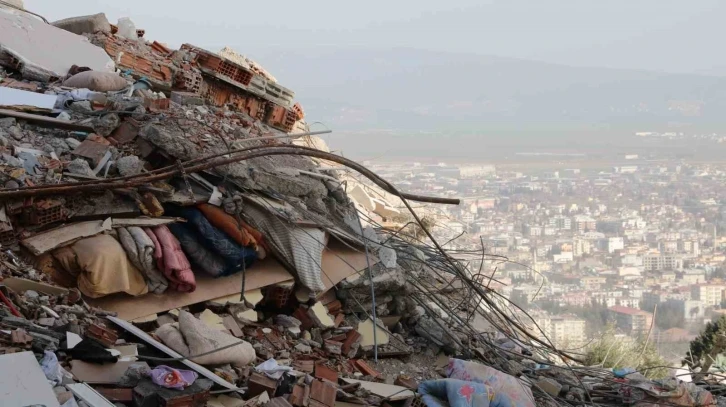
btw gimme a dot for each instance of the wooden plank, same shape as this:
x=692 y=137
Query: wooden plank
x=54 y=238
x=338 y=263
x=20 y=285
x=45 y=121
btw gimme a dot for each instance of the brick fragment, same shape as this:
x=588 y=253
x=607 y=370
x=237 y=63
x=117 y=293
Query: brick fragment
x=323 y=393
x=364 y=368
x=259 y=383
x=406 y=381
x=351 y=344
x=300 y=396
x=324 y=372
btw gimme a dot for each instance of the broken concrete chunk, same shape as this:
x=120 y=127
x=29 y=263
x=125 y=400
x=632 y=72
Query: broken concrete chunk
x=365 y=329
x=85 y=24
x=129 y=165
x=333 y=347
x=550 y=386
x=106 y=124
x=254 y=297
x=81 y=167
x=286 y=321
x=81 y=106
x=31 y=46
x=59 y=145
x=249 y=315
x=15 y=132
x=212 y=320
x=72 y=143
x=7 y=122
x=301 y=347
x=11 y=161
x=319 y=314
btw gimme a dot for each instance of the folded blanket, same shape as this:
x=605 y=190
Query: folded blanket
x=67 y=272
x=106 y=268
x=203 y=258
x=172 y=261
x=227 y=224
x=140 y=249
x=234 y=256
x=158 y=254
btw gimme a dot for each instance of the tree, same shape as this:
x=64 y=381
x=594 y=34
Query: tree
x=670 y=315
x=707 y=345
x=612 y=352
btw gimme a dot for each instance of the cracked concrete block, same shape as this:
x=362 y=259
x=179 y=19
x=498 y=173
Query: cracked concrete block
x=34 y=45
x=129 y=165
x=81 y=167
x=550 y=386
x=388 y=257
x=249 y=315
x=15 y=132
x=7 y=122
x=85 y=24
x=72 y=143
x=212 y=320
x=366 y=329
x=59 y=145
x=319 y=314
x=106 y=124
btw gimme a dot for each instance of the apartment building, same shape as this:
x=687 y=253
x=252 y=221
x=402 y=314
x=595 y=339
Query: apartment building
x=710 y=295
x=631 y=320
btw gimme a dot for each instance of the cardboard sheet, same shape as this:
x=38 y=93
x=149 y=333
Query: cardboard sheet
x=109 y=373
x=62 y=235
x=339 y=262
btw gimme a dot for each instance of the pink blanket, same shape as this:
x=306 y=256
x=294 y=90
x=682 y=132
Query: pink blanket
x=171 y=260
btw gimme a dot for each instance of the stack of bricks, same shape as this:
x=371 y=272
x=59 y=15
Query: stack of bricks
x=45 y=211
x=277 y=296
x=188 y=79
x=219 y=67
x=299 y=112
x=157 y=68
x=281 y=118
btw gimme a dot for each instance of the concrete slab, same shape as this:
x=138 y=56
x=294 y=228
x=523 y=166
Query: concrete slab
x=31 y=46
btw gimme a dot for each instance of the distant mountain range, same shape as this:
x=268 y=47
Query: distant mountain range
x=423 y=90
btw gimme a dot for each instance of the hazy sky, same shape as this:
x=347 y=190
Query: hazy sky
x=664 y=35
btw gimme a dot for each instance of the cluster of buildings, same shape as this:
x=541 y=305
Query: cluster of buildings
x=625 y=238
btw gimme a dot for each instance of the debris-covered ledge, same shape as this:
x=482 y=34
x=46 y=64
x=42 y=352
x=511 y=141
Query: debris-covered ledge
x=168 y=238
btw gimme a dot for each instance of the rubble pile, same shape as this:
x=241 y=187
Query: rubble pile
x=166 y=240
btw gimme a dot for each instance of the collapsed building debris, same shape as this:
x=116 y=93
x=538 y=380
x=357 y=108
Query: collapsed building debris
x=169 y=238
